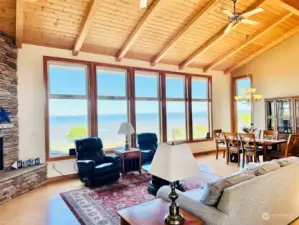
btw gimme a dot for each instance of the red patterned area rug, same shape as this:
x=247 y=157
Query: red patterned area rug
x=99 y=206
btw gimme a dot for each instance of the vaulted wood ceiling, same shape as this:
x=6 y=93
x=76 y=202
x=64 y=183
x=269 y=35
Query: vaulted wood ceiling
x=186 y=33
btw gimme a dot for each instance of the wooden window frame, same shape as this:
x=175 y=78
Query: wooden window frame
x=208 y=100
x=92 y=99
x=234 y=122
x=113 y=98
x=158 y=99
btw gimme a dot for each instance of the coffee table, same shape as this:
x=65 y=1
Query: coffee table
x=156 y=183
x=152 y=213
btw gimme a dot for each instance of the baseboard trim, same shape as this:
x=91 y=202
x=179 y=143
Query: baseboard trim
x=64 y=177
x=205 y=153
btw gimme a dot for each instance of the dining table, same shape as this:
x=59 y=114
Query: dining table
x=265 y=143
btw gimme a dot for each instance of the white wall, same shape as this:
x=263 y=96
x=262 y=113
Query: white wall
x=275 y=74
x=31 y=100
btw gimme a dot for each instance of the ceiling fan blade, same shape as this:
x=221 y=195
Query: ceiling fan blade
x=143 y=4
x=227 y=12
x=228 y=28
x=253 y=12
x=250 y=22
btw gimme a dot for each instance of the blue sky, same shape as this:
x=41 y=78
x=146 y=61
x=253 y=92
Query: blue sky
x=64 y=80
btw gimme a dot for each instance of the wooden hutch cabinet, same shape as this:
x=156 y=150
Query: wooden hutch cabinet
x=282 y=114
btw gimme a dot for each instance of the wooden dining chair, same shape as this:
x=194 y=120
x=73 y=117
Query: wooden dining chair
x=249 y=148
x=220 y=143
x=292 y=148
x=232 y=145
x=270 y=134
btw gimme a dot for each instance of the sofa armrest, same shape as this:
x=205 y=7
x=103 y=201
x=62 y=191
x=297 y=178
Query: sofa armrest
x=210 y=215
x=115 y=159
x=86 y=168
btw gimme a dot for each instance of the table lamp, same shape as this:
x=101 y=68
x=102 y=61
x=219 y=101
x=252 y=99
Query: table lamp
x=173 y=163
x=127 y=129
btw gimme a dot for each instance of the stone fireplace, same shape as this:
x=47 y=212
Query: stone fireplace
x=13 y=182
x=9 y=99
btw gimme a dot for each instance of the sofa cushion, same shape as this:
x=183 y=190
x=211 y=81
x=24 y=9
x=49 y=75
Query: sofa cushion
x=287 y=161
x=267 y=167
x=213 y=190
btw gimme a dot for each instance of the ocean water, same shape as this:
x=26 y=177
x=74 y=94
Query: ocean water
x=108 y=125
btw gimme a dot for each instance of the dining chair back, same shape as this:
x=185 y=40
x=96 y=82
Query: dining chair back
x=219 y=141
x=232 y=145
x=270 y=134
x=292 y=148
x=249 y=148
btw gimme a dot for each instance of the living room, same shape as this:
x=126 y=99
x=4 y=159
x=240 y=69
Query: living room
x=86 y=79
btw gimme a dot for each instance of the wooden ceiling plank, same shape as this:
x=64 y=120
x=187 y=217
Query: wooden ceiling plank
x=218 y=36
x=264 y=49
x=290 y=5
x=138 y=29
x=251 y=40
x=86 y=26
x=19 y=22
x=201 y=14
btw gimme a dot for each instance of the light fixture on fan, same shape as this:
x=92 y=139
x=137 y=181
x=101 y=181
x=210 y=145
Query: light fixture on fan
x=235 y=17
x=143 y=4
x=250 y=93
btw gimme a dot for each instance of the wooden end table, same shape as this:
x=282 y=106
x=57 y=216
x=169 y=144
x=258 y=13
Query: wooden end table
x=130 y=160
x=152 y=213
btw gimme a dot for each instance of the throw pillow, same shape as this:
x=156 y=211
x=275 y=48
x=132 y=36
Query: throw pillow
x=213 y=190
x=266 y=167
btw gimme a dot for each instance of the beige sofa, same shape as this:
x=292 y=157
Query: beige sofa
x=272 y=198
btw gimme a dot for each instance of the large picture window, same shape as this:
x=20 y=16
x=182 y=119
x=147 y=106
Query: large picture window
x=112 y=105
x=200 y=101
x=175 y=107
x=147 y=108
x=85 y=99
x=68 y=107
x=242 y=110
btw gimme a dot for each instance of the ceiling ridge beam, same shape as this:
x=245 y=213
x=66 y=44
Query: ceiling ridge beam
x=19 y=23
x=201 y=14
x=272 y=44
x=149 y=13
x=218 y=36
x=85 y=27
x=284 y=4
x=251 y=40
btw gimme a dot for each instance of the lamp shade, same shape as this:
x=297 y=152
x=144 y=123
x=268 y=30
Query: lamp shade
x=126 y=128
x=174 y=162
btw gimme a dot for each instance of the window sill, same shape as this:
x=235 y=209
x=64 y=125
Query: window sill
x=60 y=158
x=200 y=140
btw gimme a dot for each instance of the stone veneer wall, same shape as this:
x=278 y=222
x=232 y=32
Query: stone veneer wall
x=8 y=98
x=17 y=182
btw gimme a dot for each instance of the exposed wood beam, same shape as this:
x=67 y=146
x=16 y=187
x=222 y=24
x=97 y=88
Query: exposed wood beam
x=138 y=29
x=85 y=27
x=251 y=40
x=200 y=15
x=290 y=5
x=19 y=22
x=264 y=49
x=217 y=37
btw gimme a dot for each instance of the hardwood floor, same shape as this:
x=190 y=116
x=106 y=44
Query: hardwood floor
x=44 y=206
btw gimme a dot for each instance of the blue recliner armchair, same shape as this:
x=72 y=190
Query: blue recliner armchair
x=96 y=168
x=147 y=143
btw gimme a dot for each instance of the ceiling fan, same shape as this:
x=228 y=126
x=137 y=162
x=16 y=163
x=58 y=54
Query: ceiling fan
x=235 y=17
